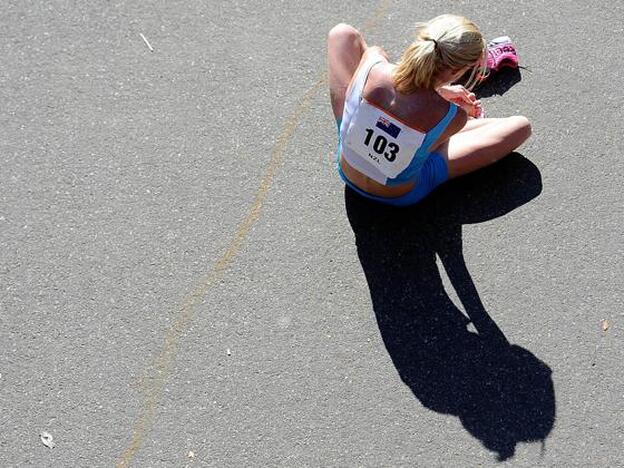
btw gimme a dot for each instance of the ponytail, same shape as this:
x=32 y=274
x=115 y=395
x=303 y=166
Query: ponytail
x=446 y=42
x=418 y=67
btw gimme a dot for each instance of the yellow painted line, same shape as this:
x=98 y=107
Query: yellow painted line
x=158 y=373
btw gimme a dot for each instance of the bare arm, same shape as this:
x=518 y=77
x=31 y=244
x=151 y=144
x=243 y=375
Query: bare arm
x=459 y=95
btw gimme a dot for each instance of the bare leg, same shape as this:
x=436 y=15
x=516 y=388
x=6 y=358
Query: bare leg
x=345 y=46
x=477 y=123
x=484 y=143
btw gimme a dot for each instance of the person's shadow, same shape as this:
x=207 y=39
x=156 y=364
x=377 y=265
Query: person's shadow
x=499 y=83
x=501 y=392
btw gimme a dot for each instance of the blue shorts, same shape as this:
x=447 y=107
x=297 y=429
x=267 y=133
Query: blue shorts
x=433 y=173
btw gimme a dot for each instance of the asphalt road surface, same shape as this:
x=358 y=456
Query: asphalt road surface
x=185 y=282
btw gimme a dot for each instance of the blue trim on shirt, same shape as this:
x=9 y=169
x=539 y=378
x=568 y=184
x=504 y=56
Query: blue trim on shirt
x=411 y=171
x=433 y=172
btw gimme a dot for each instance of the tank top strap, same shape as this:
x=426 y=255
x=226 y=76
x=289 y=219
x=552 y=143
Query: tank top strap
x=435 y=132
x=362 y=77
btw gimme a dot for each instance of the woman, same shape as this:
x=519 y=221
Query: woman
x=404 y=128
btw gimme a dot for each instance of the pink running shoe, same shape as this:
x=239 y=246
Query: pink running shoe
x=501 y=53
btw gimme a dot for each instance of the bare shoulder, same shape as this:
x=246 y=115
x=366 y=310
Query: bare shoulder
x=380 y=86
x=376 y=50
x=368 y=53
x=373 y=51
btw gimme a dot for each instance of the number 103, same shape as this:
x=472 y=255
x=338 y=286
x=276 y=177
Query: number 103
x=380 y=144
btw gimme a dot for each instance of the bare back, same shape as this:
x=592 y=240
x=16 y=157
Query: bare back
x=421 y=110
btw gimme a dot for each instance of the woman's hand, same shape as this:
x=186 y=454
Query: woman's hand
x=459 y=95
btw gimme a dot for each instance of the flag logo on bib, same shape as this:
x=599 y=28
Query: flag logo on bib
x=388 y=127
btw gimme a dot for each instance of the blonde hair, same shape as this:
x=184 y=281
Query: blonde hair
x=447 y=42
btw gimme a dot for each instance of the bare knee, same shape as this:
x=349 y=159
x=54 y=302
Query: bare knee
x=344 y=32
x=520 y=128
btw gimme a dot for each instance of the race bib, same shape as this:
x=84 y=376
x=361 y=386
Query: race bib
x=382 y=140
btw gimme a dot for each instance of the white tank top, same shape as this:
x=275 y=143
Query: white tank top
x=378 y=144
